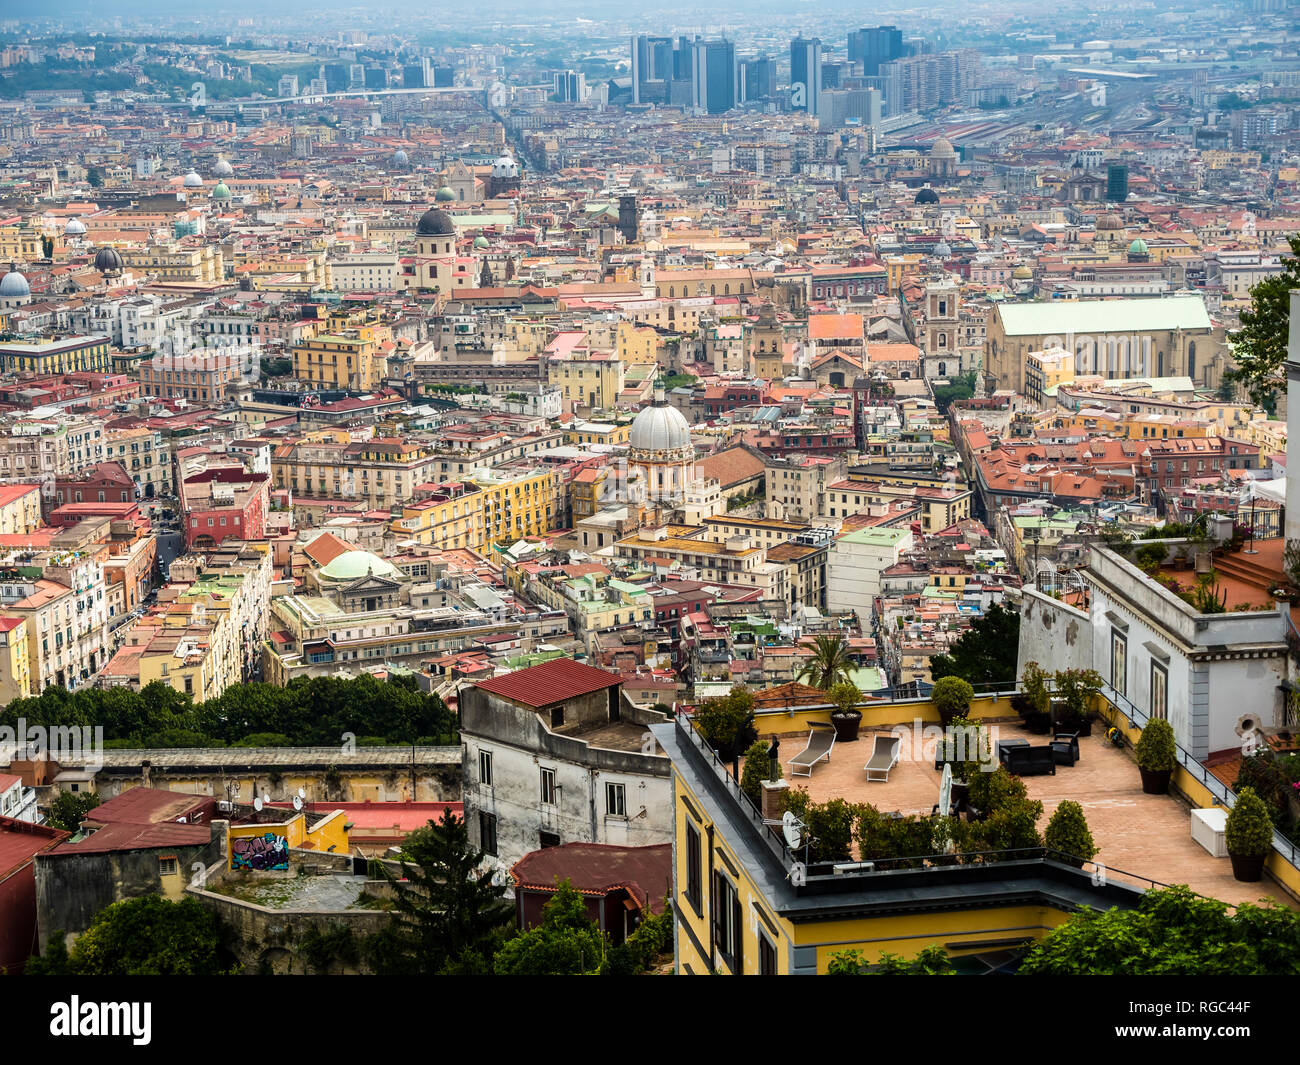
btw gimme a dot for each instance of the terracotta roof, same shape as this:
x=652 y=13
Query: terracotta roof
x=599 y=868
x=551 y=682
x=326 y=548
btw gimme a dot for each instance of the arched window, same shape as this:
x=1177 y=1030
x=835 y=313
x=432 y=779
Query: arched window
x=713 y=290
x=1191 y=359
x=726 y=290
x=670 y=292
x=1160 y=364
x=943 y=369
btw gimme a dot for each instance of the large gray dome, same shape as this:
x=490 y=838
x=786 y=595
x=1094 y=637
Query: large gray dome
x=659 y=428
x=75 y=227
x=435 y=223
x=223 y=169
x=107 y=259
x=505 y=167
x=13 y=286
x=193 y=181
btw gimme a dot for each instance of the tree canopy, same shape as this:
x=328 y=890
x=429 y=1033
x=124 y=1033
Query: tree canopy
x=145 y=936
x=1172 y=932
x=985 y=654
x=1259 y=346
x=566 y=943
x=829 y=664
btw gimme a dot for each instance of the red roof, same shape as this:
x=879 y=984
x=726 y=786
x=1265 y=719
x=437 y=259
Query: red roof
x=599 y=868
x=19 y=840
x=551 y=682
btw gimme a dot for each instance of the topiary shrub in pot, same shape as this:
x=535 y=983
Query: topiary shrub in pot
x=1038 y=714
x=951 y=697
x=727 y=722
x=756 y=770
x=1157 y=756
x=1249 y=836
x=1077 y=689
x=846 y=717
x=1068 y=835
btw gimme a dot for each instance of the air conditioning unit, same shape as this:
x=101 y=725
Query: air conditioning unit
x=226 y=806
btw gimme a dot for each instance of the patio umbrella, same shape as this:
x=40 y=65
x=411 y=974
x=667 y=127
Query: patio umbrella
x=945 y=790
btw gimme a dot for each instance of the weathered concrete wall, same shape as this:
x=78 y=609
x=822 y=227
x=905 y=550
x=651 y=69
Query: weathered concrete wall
x=1053 y=634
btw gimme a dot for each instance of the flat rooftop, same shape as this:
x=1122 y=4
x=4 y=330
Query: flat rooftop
x=1145 y=835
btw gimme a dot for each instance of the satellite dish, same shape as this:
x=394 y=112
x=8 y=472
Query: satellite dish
x=257 y=805
x=499 y=877
x=266 y=798
x=792 y=829
x=302 y=793
x=297 y=802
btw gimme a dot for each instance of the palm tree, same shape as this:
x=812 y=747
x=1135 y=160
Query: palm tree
x=829 y=665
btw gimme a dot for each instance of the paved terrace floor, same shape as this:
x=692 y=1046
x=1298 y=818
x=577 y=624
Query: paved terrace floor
x=1149 y=835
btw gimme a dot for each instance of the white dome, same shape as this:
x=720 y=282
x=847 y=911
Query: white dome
x=505 y=167
x=193 y=181
x=14 y=286
x=75 y=228
x=659 y=428
x=223 y=169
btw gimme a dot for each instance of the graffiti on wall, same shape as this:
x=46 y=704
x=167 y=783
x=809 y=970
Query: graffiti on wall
x=268 y=851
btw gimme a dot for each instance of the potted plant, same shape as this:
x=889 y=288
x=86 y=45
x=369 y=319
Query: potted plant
x=846 y=717
x=1157 y=756
x=1249 y=836
x=727 y=722
x=1038 y=714
x=951 y=697
x=1076 y=689
x=1068 y=835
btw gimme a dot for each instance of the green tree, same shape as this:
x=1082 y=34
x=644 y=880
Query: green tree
x=449 y=909
x=567 y=943
x=829 y=664
x=69 y=809
x=985 y=654
x=727 y=722
x=932 y=961
x=1259 y=346
x=145 y=936
x=756 y=770
x=1172 y=932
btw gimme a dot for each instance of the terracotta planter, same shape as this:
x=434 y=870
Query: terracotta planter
x=1248 y=867
x=1155 y=781
x=846 y=725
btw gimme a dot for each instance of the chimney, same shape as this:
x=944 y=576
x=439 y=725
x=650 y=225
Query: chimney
x=145 y=767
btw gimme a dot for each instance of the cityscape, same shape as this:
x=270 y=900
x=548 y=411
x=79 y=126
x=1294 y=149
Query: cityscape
x=570 y=489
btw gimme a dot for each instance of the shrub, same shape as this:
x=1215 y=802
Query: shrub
x=1013 y=826
x=1249 y=830
x=932 y=961
x=1067 y=832
x=1034 y=683
x=831 y=825
x=727 y=722
x=1156 y=751
x=756 y=770
x=990 y=792
x=951 y=697
x=882 y=838
x=845 y=696
x=1077 y=687
x=1150 y=557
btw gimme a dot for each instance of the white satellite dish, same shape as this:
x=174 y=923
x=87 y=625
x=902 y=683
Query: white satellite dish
x=257 y=805
x=266 y=798
x=297 y=802
x=302 y=793
x=792 y=829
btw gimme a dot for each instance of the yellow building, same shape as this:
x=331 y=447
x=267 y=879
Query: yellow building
x=261 y=846
x=636 y=345
x=205 y=265
x=747 y=904
x=20 y=508
x=1045 y=372
x=20 y=243
x=588 y=379
x=15 y=666
x=348 y=359
x=581 y=432
x=518 y=503
x=452 y=516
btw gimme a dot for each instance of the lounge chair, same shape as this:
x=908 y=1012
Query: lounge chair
x=820 y=741
x=884 y=756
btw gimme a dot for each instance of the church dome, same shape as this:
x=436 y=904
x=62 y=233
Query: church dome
x=444 y=195
x=353 y=565
x=943 y=249
x=193 y=181
x=223 y=169
x=926 y=195
x=400 y=158
x=659 y=428
x=107 y=259
x=480 y=242
x=1109 y=221
x=1022 y=273
x=505 y=167
x=221 y=192
x=1138 y=247
x=435 y=223
x=14 y=286
x=942 y=149
x=74 y=228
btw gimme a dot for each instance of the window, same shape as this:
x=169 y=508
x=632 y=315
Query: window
x=549 y=839
x=485 y=768
x=615 y=800
x=1159 y=691
x=766 y=956
x=726 y=920
x=487 y=833
x=548 y=787
x=166 y=866
x=693 y=866
x=1118 y=661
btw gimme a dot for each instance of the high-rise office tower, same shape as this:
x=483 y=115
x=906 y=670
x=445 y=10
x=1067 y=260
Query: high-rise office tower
x=713 y=76
x=652 y=61
x=570 y=87
x=1117 y=182
x=805 y=74
x=873 y=46
x=758 y=79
